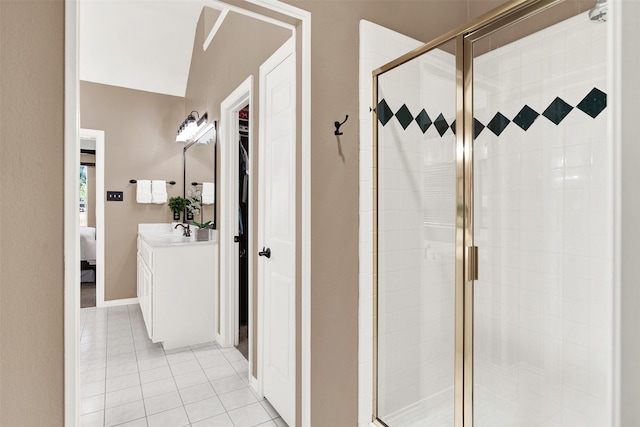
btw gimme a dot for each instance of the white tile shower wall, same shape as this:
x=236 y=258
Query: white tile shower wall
x=543 y=223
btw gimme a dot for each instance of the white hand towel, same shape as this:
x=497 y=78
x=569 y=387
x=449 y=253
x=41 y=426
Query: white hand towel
x=143 y=191
x=158 y=191
x=208 y=193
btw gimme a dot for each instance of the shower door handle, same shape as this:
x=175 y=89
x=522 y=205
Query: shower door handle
x=265 y=252
x=472 y=263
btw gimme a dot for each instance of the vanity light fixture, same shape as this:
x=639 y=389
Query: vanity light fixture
x=190 y=127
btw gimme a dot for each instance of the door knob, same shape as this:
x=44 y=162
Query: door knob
x=265 y=252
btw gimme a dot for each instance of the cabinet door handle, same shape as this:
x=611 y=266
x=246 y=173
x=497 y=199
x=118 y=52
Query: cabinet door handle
x=265 y=252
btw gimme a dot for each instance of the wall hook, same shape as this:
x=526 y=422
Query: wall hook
x=338 y=124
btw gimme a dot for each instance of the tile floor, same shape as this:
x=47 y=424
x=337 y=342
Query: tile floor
x=126 y=380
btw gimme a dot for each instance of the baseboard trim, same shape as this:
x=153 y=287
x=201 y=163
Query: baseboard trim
x=117 y=302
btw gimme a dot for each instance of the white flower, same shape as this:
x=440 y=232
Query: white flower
x=194 y=193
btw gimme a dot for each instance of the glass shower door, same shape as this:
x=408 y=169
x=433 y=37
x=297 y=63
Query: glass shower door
x=416 y=242
x=542 y=223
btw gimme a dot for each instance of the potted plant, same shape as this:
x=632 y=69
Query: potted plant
x=177 y=206
x=194 y=206
x=202 y=232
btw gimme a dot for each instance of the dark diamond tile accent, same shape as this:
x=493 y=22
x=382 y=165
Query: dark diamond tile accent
x=593 y=103
x=498 y=123
x=441 y=124
x=404 y=116
x=478 y=127
x=557 y=110
x=384 y=112
x=526 y=117
x=424 y=121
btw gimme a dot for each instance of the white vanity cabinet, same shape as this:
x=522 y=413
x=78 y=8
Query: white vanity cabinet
x=176 y=289
x=145 y=284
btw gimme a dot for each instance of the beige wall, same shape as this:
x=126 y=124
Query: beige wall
x=139 y=143
x=31 y=213
x=240 y=46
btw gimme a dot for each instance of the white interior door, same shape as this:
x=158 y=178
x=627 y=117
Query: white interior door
x=277 y=217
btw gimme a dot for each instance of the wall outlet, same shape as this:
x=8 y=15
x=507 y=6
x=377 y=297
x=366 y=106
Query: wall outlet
x=114 y=196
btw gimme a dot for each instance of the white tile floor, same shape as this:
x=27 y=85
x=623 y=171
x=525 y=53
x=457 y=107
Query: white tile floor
x=126 y=380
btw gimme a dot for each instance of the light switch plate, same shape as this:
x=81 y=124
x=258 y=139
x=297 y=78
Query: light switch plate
x=114 y=196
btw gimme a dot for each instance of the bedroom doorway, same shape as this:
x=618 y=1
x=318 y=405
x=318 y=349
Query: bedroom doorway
x=91 y=213
x=87 y=213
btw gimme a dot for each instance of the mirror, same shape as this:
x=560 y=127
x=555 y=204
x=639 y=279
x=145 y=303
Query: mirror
x=199 y=167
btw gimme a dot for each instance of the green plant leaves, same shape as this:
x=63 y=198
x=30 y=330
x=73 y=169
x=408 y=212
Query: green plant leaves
x=201 y=225
x=177 y=204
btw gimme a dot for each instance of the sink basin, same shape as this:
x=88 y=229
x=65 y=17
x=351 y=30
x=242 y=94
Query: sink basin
x=166 y=235
x=179 y=239
x=166 y=238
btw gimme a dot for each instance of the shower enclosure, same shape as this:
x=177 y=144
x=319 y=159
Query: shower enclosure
x=493 y=225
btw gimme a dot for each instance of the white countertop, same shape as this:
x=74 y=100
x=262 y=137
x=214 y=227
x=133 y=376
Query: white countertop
x=166 y=235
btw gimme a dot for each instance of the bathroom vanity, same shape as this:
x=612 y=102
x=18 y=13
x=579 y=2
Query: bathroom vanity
x=177 y=278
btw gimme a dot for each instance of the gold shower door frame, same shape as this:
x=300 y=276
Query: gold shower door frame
x=466 y=253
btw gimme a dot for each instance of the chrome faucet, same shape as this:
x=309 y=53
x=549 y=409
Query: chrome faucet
x=186 y=231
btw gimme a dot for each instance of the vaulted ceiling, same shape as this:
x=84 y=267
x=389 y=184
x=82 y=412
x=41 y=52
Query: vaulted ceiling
x=138 y=44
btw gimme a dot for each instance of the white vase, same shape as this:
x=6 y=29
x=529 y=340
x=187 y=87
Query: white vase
x=202 y=234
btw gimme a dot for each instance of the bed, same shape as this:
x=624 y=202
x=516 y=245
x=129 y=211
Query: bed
x=87 y=254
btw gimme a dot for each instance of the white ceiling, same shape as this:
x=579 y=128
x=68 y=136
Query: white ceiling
x=138 y=44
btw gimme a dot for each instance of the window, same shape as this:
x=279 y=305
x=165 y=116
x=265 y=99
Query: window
x=83 y=196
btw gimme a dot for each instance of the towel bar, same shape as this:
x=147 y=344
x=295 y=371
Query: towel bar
x=133 y=181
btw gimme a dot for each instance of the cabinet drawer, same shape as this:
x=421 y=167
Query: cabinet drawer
x=145 y=253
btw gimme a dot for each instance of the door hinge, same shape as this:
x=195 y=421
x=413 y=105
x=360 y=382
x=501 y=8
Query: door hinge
x=472 y=262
